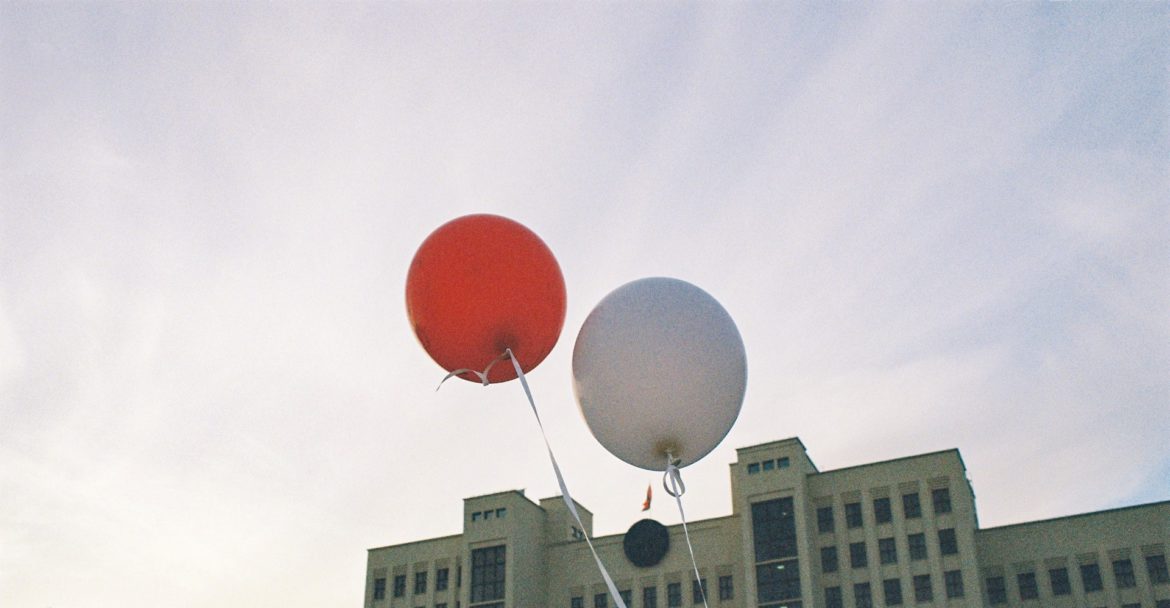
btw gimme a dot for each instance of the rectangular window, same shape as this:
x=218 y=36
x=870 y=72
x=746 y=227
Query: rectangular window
x=698 y=591
x=577 y=602
x=862 y=596
x=488 y=573
x=777 y=581
x=1058 y=578
x=953 y=579
x=441 y=605
x=501 y=512
x=825 y=519
x=475 y=516
x=1156 y=567
x=853 y=515
x=911 y=508
x=922 y=590
x=782 y=463
x=1123 y=574
x=947 y=544
x=881 y=510
x=887 y=551
x=892 y=590
x=420 y=582
x=996 y=592
x=1026 y=581
x=941 y=498
x=833 y=598
x=828 y=559
x=753 y=468
x=726 y=589
x=769 y=465
x=458 y=577
x=774 y=529
x=627 y=597
x=1091 y=577
x=441 y=577
x=649 y=597
x=857 y=557
x=673 y=595
x=600 y=600
x=917 y=544
x=1162 y=604
x=400 y=585
x=380 y=588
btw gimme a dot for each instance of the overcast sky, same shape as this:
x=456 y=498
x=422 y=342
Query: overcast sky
x=935 y=227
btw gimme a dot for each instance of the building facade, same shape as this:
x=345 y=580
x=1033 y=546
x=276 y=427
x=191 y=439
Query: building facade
x=902 y=532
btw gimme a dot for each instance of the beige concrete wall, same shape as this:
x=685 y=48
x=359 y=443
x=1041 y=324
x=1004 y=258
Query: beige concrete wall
x=1068 y=542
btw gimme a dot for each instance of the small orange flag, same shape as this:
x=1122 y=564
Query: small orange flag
x=646 y=505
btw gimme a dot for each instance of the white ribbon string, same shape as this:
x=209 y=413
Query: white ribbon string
x=676 y=488
x=483 y=376
x=617 y=597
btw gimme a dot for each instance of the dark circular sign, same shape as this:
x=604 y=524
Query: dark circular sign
x=646 y=543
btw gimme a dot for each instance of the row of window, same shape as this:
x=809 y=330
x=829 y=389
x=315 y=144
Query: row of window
x=487 y=578
x=1058 y=579
x=768 y=465
x=882 y=512
x=922 y=585
x=673 y=595
x=888 y=550
x=488 y=514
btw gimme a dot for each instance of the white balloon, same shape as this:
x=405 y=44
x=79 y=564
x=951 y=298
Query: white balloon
x=659 y=367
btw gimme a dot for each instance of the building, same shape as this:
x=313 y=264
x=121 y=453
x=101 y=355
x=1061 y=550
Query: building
x=901 y=532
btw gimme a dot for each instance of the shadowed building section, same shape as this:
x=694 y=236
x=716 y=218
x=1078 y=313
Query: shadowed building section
x=894 y=533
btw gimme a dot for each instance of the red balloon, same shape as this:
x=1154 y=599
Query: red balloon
x=481 y=284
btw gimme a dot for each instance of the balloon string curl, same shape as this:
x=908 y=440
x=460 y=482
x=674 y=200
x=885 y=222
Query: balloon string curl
x=483 y=376
x=673 y=484
x=568 y=498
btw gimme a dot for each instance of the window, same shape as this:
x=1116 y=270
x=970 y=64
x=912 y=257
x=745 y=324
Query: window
x=600 y=600
x=1058 y=578
x=922 y=589
x=947 y=544
x=1091 y=577
x=577 y=602
x=782 y=463
x=420 y=582
x=769 y=465
x=501 y=512
x=774 y=529
x=1162 y=604
x=380 y=588
x=892 y=590
x=649 y=597
x=627 y=597
x=441 y=576
x=996 y=592
x=917 y=544
x=911 y=508
x=726 y=590
x=1156 y=566
x=458 y=577
x=1131 y=606
x=487 y=573
x=777 y=581
x=853 y=515
x=753 y=468
x=887 y=551
x=475 y=516
x=881 y=510
x=1026 y=581
x=828 y=559
x=674 y=595
x=698 y=591
x=862 y=596
x=953 y=580
x=857 y=555
x=488 y=514
x=941 y=498
x=441 y=605
x=1123 y=574
x=825 y=519
x=400 y=585
x=833 y=598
